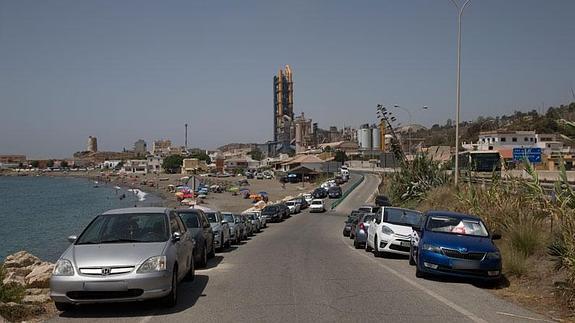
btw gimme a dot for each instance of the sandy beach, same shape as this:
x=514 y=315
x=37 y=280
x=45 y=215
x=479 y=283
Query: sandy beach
x=226 y=201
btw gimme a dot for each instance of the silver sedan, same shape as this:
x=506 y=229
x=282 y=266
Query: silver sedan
x=125 y=255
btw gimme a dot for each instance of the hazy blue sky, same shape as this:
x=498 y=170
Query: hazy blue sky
x=123 y=70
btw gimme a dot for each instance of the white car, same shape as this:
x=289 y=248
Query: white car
x=294 y=207
x=317 y=206
x=391 y=230
x=308 y=198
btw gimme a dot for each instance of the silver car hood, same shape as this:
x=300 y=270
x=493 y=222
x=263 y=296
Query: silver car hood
x=117 y=254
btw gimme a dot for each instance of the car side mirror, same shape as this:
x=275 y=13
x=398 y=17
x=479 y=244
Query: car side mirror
x=496 y=236
x=72 y=239
x=176 y=236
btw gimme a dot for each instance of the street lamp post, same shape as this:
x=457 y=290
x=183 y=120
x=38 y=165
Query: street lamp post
x=460 y=8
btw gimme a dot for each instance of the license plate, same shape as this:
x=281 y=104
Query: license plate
x=106 y=286
x=464 y=264
x=405 y=244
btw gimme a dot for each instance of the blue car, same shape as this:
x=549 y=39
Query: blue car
x=455 y=244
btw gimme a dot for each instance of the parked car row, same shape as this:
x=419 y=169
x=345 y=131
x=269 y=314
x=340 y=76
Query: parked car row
x=435 y=242
x=143 y=253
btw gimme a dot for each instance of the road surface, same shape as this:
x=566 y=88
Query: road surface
x=304 y=270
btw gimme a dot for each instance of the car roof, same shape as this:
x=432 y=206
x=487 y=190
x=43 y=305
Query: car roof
x=454 y=214
x=138 y=210
x=400 y=208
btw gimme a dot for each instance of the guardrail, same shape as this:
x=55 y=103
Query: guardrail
x=347 y=192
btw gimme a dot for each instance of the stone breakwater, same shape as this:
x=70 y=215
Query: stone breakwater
x=27 y=271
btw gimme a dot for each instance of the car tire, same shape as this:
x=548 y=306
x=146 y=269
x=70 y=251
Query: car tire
x=212 y=252
x=419 y=273
x=191 y=275
x=376 y=252
x=356 y=244
x=367 y=247
x=203 y=257
x=171 y=299
x=411 y=260
x=64 y=307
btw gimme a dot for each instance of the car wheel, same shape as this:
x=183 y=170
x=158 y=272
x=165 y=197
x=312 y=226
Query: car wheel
x=419 y=273
x=64 y=307
x=212 y=252
x=203 y=257
x=171 y=299
x=191 y=275
x=376 y=251
x=356 y=244
x=411 y=260
x=367 y=247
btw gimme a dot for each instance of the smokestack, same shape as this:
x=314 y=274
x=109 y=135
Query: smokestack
x=186 y=141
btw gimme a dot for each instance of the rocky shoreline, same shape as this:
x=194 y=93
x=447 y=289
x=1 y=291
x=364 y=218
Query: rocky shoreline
x=26 y=286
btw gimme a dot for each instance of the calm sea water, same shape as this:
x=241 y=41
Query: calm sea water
x=37 y=214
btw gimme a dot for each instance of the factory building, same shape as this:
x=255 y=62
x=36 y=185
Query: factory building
x=284 y=129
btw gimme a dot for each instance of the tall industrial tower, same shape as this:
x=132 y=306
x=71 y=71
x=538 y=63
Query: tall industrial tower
x=283 y=106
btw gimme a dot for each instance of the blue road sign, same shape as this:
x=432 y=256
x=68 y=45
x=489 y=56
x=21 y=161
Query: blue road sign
x=533 y=155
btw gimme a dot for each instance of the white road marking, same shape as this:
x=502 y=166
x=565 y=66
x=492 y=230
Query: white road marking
x=438 y=297
x=523 y=317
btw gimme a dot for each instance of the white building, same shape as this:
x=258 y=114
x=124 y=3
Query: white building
x=507 y=140
x=136 y=166
x=154 y=163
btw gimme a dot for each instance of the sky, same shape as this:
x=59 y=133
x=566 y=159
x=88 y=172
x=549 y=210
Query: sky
x=125 y=70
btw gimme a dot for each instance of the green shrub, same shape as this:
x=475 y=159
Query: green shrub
x=12 y=292
x=524 y=234
x=514 y=262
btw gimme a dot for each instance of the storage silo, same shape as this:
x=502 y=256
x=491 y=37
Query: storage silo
x=365 y=139
x=375 y=138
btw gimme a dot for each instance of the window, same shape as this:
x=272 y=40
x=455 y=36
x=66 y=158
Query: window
x=174 y=224
x=526 y=139
x=183 y=228
x=514 y=139
x=531 y=139
x=503 y=139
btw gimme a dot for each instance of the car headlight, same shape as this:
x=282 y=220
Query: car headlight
x=386 y=230
x=493 y=255
x=431 y=248
x=63 y=268
x=153 y=264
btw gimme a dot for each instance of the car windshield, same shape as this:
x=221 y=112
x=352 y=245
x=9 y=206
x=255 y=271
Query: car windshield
x=367 y=218
x=401 y=217
x=212 y=217
x=190 y=219
x=290 y=203
x=365 y=209
x=456 y=225
x=126 y=228
x=317 y=202
x=270 y=209
x=229 y=218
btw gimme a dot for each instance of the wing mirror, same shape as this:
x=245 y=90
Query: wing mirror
x=176 y=236
x=72 y=239
x=496 y=236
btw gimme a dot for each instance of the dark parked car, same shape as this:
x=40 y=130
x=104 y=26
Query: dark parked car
x=201 y=232
x=360 y=230
x=382 y=200
x=348 y=225
x=273 y=213
x=354 y=214
x=455 y=244
x=319 y=193
x=334 y=192
x=285 y=210
x=369 y=209
x=302 y=202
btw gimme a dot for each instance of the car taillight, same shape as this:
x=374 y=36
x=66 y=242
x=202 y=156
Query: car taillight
x=361 y=226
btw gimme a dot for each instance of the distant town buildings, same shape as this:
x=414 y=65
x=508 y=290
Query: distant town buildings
x=140 y=147
x=161 y=147
x=92 y=145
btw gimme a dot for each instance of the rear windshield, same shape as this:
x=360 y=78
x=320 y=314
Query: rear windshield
x=229 y=218
x=190 y=219
x=126 y=228
x=316 y=202
x=270 y=209
x=212 y=217
x=401 y=217
x=455 y=225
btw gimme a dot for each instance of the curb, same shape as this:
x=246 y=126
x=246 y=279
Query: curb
x=347 y=192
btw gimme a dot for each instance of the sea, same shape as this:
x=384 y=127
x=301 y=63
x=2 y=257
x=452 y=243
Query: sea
x=38 y=213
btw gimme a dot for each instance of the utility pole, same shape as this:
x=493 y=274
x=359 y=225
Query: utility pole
x=460 y=8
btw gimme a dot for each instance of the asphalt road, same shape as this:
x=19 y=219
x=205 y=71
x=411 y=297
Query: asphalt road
x=304 y=270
